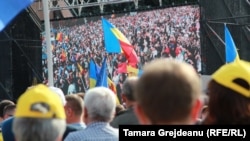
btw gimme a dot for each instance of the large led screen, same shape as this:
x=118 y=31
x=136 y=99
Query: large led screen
x=170 y=32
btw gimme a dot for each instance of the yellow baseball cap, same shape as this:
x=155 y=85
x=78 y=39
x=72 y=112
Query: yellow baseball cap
x=228 y=73
x=40 y=102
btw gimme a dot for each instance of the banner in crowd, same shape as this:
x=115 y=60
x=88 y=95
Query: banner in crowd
x=92 y=74
x=101 y=79
x=116 y=42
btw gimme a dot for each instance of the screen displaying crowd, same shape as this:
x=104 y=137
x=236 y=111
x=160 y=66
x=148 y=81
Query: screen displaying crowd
x=170 y=32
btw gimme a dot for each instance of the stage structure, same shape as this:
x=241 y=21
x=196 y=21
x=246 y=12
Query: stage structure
x=20 y=55
x=80 y=8
x=214 y=14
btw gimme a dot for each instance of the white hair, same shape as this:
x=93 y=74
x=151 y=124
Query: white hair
x=100 y=103
x=39 y=129
x=59 y=92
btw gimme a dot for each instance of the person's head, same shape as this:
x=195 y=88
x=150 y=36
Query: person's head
x=128 y=89
x=118 y=109
x=168 y=92
x=59 y=92
x=4 y=103
x=39 y=115
x=229 y=94
x=81 y=94
x=74 y=108
x=9 y=111
x=100 y=103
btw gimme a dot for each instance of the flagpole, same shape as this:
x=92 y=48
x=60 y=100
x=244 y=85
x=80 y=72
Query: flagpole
x=48 y=42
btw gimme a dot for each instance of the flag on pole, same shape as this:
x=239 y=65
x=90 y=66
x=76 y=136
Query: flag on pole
x=112 y=87
x=81 y=70
x=59 y=37
x=102 y=78
x=9 y=9
x=231 y=51
x=112 y=44
x=122 y=67
x=92 y=74
x=116 y=42
x=132 y=71
x=104 y=81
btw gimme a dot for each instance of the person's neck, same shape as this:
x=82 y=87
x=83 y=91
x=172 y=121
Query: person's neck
x=89 y=121
x=75 y=120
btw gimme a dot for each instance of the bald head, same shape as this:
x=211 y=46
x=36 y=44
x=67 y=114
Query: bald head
x=167 y=90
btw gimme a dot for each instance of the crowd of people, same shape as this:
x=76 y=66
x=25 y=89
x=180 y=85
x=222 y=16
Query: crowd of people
x=167 y=93
x=169 y=33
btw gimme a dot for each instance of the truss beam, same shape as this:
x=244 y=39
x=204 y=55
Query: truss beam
x=53 y=4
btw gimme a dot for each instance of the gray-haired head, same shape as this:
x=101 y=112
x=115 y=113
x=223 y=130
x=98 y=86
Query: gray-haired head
x=128 y=87
x=59 y=92
x=100 y=103
x=39 y=129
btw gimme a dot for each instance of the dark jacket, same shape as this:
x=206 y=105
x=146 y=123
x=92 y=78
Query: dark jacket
x=127 y=117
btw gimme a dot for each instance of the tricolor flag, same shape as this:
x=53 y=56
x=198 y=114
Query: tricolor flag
x=112 y=87
x=102 y=77
x=230 y=49
x=81 y=70
x=104 y=81
x=132 y=71
x=116 y=42
x=9 y=9
x=92 y=74
x=59 y=37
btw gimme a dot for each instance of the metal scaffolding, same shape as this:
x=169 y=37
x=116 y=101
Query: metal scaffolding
x=79 y=4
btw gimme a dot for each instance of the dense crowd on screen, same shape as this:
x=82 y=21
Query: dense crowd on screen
x=171 y=32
